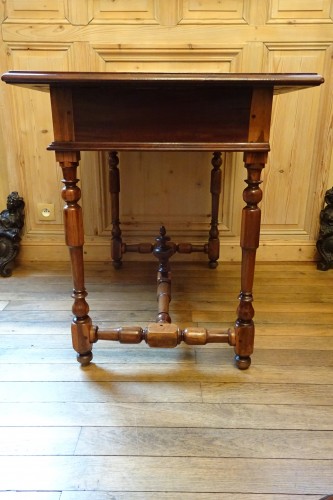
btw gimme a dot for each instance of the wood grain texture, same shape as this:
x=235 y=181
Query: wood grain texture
x=140 y=423
x=74 y=495
x=149 y=474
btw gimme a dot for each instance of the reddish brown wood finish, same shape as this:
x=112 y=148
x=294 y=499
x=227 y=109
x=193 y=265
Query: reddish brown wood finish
x=215 y=189
x=73 y=222
x=164 y=335
x=114 y=182
x=148 y=111
x=119 y=112
x=249 y=241
x=282 y=82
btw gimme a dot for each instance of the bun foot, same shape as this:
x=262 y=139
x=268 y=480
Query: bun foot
x=84 y=359
x=213 y=264
x=243 y=363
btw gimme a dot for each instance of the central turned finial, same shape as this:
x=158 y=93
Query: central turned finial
x=163 y=250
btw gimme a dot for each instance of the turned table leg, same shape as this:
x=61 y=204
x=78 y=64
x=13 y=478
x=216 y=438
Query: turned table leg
x=114 y=182
x=73 y=222
x=163 y=250
x=250 y=232
x=215 y=189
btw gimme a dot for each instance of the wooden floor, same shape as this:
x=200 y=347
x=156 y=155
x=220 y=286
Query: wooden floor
x=163 y=424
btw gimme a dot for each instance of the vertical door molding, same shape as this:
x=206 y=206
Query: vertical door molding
x=80 y=13
x=168 y=13
x=34 y=132
x=292 y=172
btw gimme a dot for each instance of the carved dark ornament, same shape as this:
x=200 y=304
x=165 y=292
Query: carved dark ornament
x=325 y=239
x=11 y=224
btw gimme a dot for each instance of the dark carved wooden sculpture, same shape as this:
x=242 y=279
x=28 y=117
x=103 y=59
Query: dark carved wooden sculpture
x=11 y=223
x=325 y=240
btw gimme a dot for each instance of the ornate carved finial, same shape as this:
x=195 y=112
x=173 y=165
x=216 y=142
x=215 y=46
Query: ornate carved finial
x=163 y=250
x=11 y=223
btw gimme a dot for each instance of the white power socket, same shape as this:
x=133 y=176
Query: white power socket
x=45 y=211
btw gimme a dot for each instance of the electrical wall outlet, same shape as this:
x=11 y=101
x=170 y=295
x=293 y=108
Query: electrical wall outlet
x=45 y=211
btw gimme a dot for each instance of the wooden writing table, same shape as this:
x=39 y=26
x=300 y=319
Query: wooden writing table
x=163 y=112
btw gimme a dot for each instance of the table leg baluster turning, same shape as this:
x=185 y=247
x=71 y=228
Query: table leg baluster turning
x=249 y=241
x=215 y=189
x=74 y=237
x=114 y=181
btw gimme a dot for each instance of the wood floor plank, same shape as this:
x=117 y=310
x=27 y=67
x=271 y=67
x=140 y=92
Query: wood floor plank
x=203 y=277
x=95 y=305
x=30 y=495
x=116 y=495
x=298 y=394
x=174 y=372
x=39 y=440
x=3 y=304
x=146 y=316
x=194 y=442
x=251 y=416
x=100 y=392
x=295 y=329
x=275 y=342
x=148 y=474
x=272 y=357
x=146 y=355
x=172 y=392
x=266 y=317
x=135 y=356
